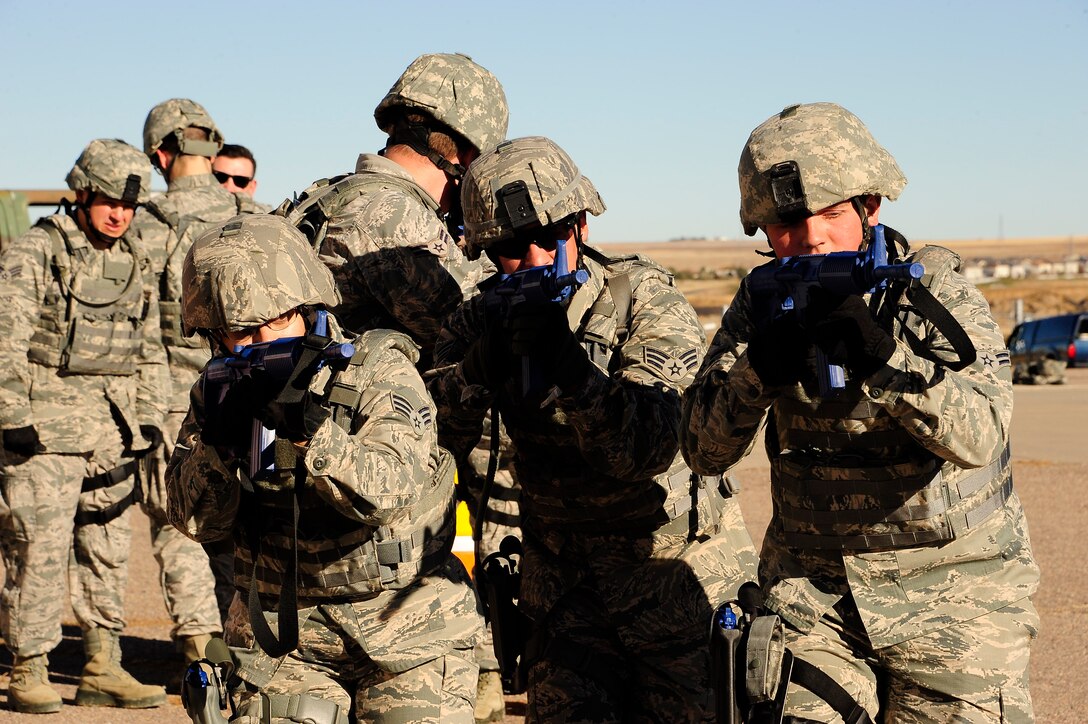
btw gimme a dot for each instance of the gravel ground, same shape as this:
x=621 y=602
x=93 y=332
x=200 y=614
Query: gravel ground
x=1050 y=433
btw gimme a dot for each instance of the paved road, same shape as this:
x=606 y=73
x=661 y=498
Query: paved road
x=1050 y=447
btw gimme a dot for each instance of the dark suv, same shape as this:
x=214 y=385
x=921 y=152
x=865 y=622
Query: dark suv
x=1042 y=348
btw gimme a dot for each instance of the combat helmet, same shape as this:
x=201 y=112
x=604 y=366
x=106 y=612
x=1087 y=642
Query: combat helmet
x=454 y=90
x=809 y=157
x=520 y=184
x=172 y=117
x=113 y=168
x=249 y=271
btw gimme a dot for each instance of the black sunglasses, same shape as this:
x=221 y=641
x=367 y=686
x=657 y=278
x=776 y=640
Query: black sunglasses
x=239 y=181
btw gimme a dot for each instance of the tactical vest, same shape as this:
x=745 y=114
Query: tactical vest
x=337 y=557
x=323 y=200
x=186 y=228
x=94 y=326
x=576 y=496
x=847 y=476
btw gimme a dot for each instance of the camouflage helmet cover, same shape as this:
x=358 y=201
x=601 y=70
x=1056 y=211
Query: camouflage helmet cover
x=172 y=117
x=250 y=270
x=835 y=155
x=111 y=167
x=454 y=90
x=556 y=189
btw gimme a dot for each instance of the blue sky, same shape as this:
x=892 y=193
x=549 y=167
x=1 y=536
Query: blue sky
x=984 y=104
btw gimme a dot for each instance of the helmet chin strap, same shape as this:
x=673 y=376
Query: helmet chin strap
x=866 y=230
x=414 y=135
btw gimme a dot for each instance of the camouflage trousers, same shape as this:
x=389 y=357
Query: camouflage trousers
x=402 y=656
x=42 y=546
x=975 y=672
x=622 y=624
x=185 y=575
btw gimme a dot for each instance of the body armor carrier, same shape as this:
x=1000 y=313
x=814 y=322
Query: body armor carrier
x=579 y=498
x=186 y=229
x=338 y=557
x=94 y=326
x=847 y=476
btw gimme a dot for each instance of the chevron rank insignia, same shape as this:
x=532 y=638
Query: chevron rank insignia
x=672 y=367
x=420 y=419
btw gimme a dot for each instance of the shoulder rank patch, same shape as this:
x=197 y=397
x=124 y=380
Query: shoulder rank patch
x=9 y=273
x=673 y=367
x=999 y=359
x=420 y=419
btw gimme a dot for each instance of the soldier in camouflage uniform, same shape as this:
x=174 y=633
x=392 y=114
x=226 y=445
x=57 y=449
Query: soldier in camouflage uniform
x=386 y=614
x=898 y=554
x=625 y=550
x=181 y=139
x=387 y=239
x=80 y=399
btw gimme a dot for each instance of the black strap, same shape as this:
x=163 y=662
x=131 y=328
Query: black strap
x=110 y=477
x=946 y=324
x=287 y=607
x=806 y=675
x=489 y=482
x=101 y=517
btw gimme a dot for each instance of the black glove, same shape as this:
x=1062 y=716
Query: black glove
x=23 y=441
x=845 y=330
x=487 y=362
x=153 y=436
x=294 y=421
x=229 y=423
x=541 y=333
x=778 y=351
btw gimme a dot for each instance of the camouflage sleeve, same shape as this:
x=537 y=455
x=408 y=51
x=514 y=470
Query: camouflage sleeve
x=725 y=405
x=964 y=416
x=154 y=238
x=461 y=406
x=152 y=393
x=202 y=490
x=388 y=460
x=627 y=422
x=395 y=243
x=24 y=277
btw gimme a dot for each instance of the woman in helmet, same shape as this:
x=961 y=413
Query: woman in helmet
x=319 y=457
x=898 y=555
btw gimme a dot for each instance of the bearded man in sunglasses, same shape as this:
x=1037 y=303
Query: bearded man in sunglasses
x=625 y=550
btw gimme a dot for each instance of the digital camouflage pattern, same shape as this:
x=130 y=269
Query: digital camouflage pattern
x=601 y=475
x=374 y=477
x=454 y=90
x=556 y=187
x=84 y=420
x=247 y=272
x=396 y=265
x=112 y=168
x=171 y=117
x=924 y=411
x=414 y=669
x=167 y=228
x=373 y=471
x=836 y=155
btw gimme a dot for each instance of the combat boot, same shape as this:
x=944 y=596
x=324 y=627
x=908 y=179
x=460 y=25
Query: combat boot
x=490 y=704
x=192 y=647
x=105 y=683
x=29 y=690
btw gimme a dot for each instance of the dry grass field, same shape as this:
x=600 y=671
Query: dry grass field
x=708 y=295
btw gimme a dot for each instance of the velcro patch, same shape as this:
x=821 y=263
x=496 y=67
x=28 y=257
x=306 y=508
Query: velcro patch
x=673 y=367
x=420 y=419
x=9 y=273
